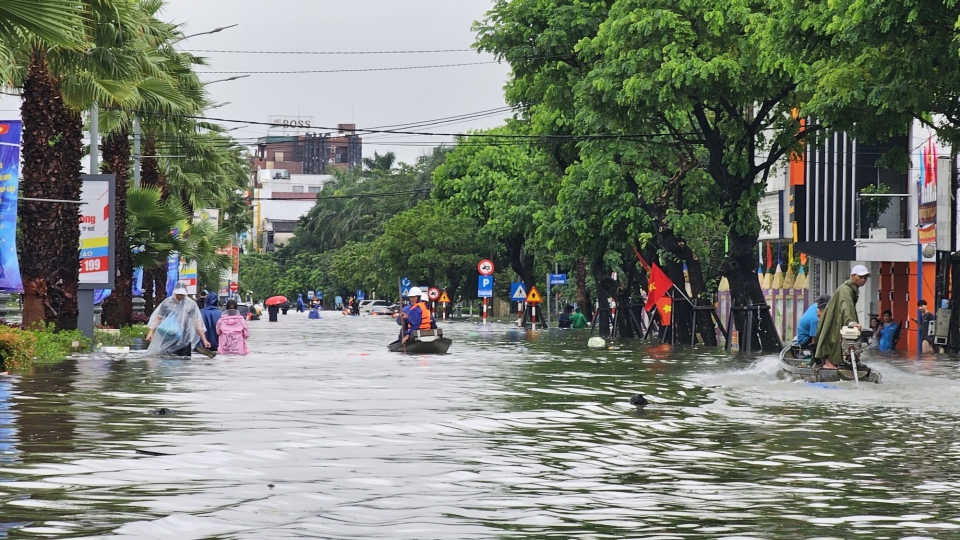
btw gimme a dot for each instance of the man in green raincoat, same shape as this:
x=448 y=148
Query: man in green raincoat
x=841 y=310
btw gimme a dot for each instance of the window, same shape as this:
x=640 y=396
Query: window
x=314 y=189
x=278 y=156
x=298 y=189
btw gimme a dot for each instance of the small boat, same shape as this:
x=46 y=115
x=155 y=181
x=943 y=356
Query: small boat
x=423 y=342
x=796 y=361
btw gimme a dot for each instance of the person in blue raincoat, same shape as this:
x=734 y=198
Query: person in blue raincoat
x=315 y=312
x=211 y=314
x=300 y=303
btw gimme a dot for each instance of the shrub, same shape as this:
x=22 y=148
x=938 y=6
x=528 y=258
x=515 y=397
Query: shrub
x=16 y=348
x=54 y=346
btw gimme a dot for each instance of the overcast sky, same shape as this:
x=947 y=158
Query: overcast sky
x=368 y=99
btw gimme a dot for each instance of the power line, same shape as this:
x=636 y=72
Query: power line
x=333 y=52
x=501 y=136
x=357 y=196
x=299 y=72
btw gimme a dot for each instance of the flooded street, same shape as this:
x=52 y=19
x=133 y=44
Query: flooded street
x=322 y=433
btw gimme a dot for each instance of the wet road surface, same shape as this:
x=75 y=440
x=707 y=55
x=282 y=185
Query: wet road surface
x=322 y=433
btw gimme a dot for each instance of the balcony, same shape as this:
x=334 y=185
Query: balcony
x=891 y=223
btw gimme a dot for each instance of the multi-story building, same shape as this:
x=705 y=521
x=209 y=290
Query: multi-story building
x=313 y=153
x=840 y=204
x=280 y=199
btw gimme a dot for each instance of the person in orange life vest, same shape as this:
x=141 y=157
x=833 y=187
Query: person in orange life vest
x=419 y=316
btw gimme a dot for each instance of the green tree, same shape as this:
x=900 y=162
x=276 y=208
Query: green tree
x=698 y=72
x=431 y=244
x=503 y=185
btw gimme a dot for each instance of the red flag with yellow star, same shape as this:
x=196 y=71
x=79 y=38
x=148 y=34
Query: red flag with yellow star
x=659 y=285
x=665 y=308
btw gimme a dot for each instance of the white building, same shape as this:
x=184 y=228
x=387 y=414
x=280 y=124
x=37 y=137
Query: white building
x=280 y=200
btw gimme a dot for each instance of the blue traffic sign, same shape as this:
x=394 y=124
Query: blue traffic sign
x=319 y=294
x=405 y=283
x=485 y=286
x=405 y=291
x=558 y=279
x=517 y=292
x=360 y=294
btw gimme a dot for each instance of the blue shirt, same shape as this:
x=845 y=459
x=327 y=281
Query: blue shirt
x=887 y=331
x=807 y=329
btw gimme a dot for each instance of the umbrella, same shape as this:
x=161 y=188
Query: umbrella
x=276 y=300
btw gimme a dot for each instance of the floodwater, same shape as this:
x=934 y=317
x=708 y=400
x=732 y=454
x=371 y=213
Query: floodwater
x=322 y=433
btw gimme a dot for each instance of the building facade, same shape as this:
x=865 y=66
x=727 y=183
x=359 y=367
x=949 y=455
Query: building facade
x=842 y=204
x=313 y=153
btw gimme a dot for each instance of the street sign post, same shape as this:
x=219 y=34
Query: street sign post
x=444 y=299
x=485 y=291
x=97 y=247
x=360 y=295
x=533 y=298
x=519 y=295
x=554 y=279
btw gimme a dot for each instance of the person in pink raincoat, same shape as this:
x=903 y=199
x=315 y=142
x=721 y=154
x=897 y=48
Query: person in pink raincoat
x=233 y=331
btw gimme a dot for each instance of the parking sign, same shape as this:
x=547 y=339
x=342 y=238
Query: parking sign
x=485 y=286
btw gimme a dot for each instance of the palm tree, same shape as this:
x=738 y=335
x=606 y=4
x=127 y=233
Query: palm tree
x=156 y=90
x=57 y=84
x=55 y=22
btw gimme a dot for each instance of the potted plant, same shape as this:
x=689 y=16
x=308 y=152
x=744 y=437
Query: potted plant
x=871 y=208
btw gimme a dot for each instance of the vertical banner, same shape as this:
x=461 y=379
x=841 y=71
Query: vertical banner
x=10 y=133
x=927 y=193
x=173 y=265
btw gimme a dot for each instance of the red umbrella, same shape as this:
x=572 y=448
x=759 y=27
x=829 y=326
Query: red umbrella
x=276 y=300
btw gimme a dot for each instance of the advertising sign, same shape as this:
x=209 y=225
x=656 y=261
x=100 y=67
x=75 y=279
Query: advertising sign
x=9 y=183
x=188 y=275
x=927 y=193
x=96 y=232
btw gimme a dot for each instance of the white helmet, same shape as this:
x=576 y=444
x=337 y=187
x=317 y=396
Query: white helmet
x=415 y=291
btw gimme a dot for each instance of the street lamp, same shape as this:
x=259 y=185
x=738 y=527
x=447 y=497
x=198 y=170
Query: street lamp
x=235 y=77
x=214 y=31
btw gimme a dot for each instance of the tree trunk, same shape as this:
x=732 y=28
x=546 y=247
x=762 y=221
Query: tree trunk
x=583 y=295
x=118 y=307
x=606 y=288
x=678 y=247
x=681 y=309
x=740 y=269
x=148 y=305
x=520 y=261
x=43 y=231
x=69 y=265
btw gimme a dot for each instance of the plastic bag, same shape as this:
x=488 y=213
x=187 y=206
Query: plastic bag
x=170 y=327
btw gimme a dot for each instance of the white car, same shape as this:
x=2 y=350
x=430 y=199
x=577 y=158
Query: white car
x=366 y=306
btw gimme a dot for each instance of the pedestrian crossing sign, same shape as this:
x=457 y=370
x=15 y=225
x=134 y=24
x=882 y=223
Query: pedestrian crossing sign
x=444 y=298
x=517 y=292
x=534 y=296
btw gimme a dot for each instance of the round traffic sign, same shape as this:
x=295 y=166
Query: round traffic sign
x=234 y=286
x=485 y=267
x=433 y=293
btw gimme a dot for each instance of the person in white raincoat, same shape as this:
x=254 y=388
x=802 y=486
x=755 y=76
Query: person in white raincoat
x=176 y=325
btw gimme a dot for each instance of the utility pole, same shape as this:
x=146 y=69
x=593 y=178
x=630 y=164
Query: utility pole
x=136 y=153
